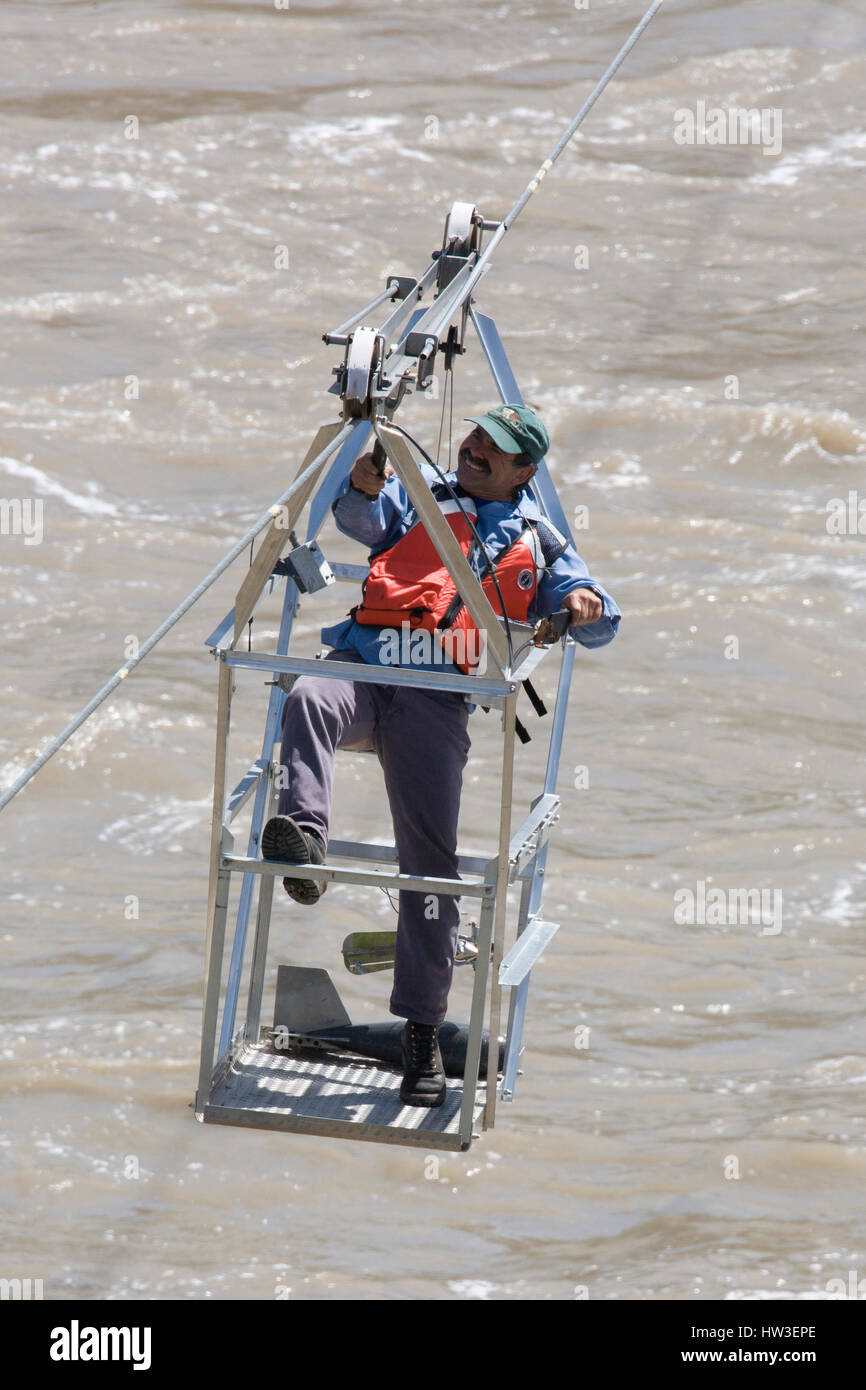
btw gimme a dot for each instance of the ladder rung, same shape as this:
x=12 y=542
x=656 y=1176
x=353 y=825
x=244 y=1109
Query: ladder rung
x=452 y=887
x=540 y=818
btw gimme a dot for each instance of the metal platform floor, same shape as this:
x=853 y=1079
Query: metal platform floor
x=340 y=1097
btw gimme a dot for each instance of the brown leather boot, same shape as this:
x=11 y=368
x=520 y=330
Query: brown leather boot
x=286 y=842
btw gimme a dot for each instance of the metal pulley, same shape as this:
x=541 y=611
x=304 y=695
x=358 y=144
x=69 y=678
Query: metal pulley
x=462 y=240
x=462 y=226
x=361 y=370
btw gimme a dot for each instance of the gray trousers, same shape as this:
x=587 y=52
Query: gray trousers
x=421 y=739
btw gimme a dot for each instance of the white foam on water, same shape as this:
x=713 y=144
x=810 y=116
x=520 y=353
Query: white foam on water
x=781 y=570
x=835 y=1071
x=843 y=907
x=776 y=1296
x=473 y=1288
x=608 y=476
x=341 y=141
x=120 y=715
x=837 y=153
x=834 y=432
x=159 y=828
x=51 y=305
x=45 y=308
x=47 y=486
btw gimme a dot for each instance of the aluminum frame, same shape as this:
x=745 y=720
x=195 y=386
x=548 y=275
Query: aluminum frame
x=518 y=858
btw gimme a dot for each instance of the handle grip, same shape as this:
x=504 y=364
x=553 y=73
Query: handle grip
x=380 y=458
x=551 y=629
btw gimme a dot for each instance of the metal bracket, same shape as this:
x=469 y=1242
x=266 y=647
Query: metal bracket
x=308 y=567
x=526 y=950
x=405 y=285
x=424 y=346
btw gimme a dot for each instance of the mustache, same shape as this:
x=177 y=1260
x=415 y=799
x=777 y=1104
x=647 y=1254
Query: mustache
x=466 y=456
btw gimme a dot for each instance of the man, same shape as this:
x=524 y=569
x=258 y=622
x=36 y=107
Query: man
x=420 y=736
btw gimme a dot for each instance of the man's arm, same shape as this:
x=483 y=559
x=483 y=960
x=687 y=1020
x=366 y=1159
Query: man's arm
x=371 y=506
x=567 y=583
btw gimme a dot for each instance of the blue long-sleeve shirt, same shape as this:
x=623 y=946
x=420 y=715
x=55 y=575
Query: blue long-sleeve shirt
x=380 y=524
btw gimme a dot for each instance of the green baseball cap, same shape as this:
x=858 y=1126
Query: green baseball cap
x=515 y=429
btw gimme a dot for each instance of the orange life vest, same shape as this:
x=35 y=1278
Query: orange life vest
x=408 y=583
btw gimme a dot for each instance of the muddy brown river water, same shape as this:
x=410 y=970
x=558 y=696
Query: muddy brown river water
x=687 y=313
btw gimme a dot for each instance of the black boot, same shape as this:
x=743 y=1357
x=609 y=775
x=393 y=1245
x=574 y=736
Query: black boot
x=285 y=842
x=423 y=1074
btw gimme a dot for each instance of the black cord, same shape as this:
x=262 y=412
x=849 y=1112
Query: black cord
x=489 y=567
x=521 y=650
x=394 y=907
x=250 y=622
x=442 y=424
x=450 y=417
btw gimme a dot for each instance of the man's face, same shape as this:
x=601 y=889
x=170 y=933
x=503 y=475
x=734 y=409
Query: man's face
x=486 y=471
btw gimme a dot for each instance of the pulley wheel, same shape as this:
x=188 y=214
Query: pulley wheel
x=461 y=229
x=362 y=359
